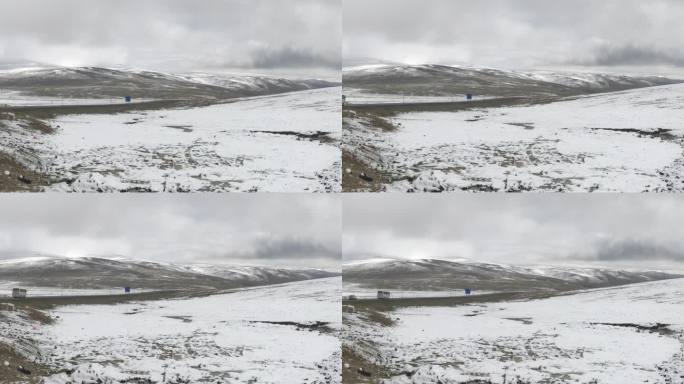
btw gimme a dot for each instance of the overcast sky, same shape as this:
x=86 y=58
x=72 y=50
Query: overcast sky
x=175 y=35
x=620 y=231
x=259 y=229
x=626 y=35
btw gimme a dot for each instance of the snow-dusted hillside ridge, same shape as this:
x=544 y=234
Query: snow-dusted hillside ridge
x=81 y=83
x=445 y=80
x=433 y=274
x=97 y=272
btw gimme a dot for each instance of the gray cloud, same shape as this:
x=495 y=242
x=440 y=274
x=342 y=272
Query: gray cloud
x=293 y=58
x=519 y=34
x=636 y=249
x=278 y=229
x=634 y=55
x=172 y=34
x=294 y=248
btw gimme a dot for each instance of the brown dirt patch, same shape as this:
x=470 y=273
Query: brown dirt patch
x=32 y=371
x=357 y=370
x=361 y=178
x=37 y=125
x=15 y=177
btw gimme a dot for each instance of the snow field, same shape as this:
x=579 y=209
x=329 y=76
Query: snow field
x=627 y=141
x=256 y=334
x=227 y=147
x=586 y=337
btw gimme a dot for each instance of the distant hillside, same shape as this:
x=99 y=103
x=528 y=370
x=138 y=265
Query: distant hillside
x=92 y=273
x=91 y=82
x=442 y=80
x=432 y=274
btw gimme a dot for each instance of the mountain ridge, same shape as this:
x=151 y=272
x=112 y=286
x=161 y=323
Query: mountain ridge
x=100 y=272
x=436 y=274
x=446 y=80
x=99 y=82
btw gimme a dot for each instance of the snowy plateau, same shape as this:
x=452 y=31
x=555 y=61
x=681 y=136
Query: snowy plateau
x=559 y=134
x=197 y=132
x=623 y=332
x=271 y=334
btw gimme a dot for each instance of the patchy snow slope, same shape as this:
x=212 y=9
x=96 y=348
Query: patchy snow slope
x=217 y=148
x=253 y=83
x=453 y=276
x=596 y=336
x=75 y=85
x=58 y=276
x=434 y=79
x=225 y=338
x=627 y=141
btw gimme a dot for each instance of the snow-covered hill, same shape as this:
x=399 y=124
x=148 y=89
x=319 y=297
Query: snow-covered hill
x=431 y=274
x=255 y=84
x=99 y=83
x=627 y=334
x=98 y=273
x=444 y=80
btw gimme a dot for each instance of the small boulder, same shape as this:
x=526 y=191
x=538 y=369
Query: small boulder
x=23 y=370
x=365 y=177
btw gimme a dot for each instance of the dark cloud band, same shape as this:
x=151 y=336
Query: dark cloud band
x=289 y=57
x=636 y=249
x=633 y=55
